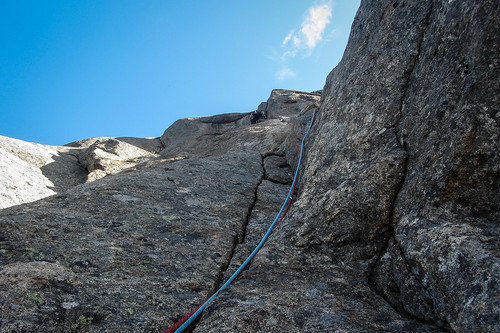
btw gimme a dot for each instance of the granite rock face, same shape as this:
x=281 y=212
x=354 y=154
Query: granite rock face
x=400 y=193
x=210 y=136
x=106 y=156
x=395 y=226
x=286 y=103
x=445 y=245
x=143 y=242
x=127 y=252
x=31 y=171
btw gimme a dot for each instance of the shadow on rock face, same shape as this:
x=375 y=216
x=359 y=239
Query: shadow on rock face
x=64 y=172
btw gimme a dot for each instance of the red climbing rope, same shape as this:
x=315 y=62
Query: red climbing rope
x=187 y=320
x=183 y=320
x=286 y=209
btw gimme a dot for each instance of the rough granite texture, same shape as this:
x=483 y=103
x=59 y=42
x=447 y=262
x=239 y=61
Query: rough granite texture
x=129 y=252
x=148 y=239
x=400 y=193
x=395 y=226
x=446 y=244
x=31 y=171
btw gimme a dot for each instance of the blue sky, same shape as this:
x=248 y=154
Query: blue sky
x=71 y=70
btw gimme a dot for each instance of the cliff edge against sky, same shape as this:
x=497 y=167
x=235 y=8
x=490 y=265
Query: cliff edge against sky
x=395 y=227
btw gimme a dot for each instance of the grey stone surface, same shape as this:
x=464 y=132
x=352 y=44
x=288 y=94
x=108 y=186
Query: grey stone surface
x=139 y=248
x=210 y=136
x=399 y=197
x=288 y=103
x=277 y=169
x=102 y=156
x=31 y=171
x=292 y=143
x=196 y=137
x=394 y=227
x=270 y=196
x=152 y=145
x=448 y=238
x=111 y=156
x=130 y=252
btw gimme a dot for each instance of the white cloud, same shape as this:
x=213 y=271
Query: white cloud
x=315 y=23
x=285 y=73
x=297 y=41
x=287 y=38
x=304 y=40
x=312 y=28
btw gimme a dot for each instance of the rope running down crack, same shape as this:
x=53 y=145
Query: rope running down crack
x=182 y=324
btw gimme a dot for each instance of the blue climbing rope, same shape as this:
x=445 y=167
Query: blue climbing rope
x=191 y=317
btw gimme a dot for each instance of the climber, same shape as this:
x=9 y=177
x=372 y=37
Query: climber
x=257 y=116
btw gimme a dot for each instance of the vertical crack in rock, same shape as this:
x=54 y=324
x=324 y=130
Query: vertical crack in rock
x=237 y=240
x=374 y=276
x=405 y=87
x=438 y=322
x=392 y=220
x=250 y=209
x=411 y=69
x=268 y=195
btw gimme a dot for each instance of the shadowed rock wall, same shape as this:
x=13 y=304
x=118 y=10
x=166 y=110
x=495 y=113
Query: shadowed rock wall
x=31 y=171
x=151 y=233
x=400 y=194
x=395 y=227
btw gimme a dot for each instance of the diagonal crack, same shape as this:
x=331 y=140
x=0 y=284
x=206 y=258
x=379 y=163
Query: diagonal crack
x=237 y=239
x=405 y=88
x=239 y=248
x=393 y=214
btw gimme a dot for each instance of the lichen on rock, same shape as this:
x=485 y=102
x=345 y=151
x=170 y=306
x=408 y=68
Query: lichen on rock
x=394 y=227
